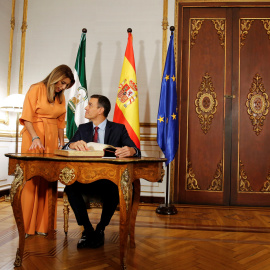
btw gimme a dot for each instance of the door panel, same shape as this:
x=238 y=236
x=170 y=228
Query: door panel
x=203 y=114
x=251 y=177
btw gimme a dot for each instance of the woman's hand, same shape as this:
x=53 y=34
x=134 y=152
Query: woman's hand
x=36 y=144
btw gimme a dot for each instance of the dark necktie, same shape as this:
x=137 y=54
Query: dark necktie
x=95 y=138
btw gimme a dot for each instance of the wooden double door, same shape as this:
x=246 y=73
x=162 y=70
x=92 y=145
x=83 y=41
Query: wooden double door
x=223 y=71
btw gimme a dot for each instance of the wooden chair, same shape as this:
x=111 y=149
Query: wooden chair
x=91 y=202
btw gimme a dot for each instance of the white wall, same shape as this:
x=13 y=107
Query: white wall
x=53 y=36
x=54 y=40
x=5 y=16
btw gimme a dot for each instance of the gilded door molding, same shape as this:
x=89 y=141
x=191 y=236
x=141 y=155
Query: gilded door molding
x=266 y=184
x=257 y=104
x=195 y=28
x=244 y=184
x=266 y=24
x=221 y=31
x=217 y=182
x=245 y=26
x=192 y=183
x=206 y=103
x=215 y=185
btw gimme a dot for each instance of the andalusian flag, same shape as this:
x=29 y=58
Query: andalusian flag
x=127 y=103
x=78 y=96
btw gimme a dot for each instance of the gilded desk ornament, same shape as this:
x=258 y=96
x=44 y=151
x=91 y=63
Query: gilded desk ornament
x=257 y=104
x=162 y=174
x=216 y=184
x=18 y=259
x=126 y=187
x=266 y=24
x=65 y=211
x=245 y=26
x=16 y=182
x=195 y=27
x=220 y=27
x=266 y=184
x=67 y=175
x=192 y=183
x=206 y=103
x=244 y=184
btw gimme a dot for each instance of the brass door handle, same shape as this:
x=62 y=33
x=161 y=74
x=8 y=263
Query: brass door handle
x=228 y=96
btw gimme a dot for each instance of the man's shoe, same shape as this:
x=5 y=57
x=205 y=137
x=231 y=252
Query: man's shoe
x=86 y=240
x=98 y=239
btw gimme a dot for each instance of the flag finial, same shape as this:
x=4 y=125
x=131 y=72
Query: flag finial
x=172 y=28
x=84 y=30
x=129 y=30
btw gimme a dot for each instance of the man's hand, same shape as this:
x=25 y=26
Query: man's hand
x=125 y=152
x=79 y=145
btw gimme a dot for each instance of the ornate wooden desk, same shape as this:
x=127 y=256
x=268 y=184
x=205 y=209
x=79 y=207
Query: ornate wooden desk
x=123 y=172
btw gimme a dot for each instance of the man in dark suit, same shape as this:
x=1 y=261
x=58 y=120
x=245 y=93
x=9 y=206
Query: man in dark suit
x=102 y=131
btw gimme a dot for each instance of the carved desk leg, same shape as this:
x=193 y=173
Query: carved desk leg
x=125 y=196
x=135 y=206
x=15 y=198
x=52 y=195
x=66 y=212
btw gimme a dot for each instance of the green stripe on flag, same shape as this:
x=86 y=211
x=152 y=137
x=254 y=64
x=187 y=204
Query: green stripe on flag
x=78 y=96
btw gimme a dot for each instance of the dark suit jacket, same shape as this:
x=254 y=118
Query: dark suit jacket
x=115 y=135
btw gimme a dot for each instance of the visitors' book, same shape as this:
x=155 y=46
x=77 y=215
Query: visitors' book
x=95 y=150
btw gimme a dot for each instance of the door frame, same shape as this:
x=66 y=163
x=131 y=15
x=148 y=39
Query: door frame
x=180 y=5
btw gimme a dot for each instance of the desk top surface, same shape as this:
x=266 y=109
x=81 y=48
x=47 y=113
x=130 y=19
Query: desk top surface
x=53 y=157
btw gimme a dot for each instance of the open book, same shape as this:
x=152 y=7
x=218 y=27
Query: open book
x=95 y=150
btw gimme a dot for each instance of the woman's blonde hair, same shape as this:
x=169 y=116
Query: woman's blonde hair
x=59 y=73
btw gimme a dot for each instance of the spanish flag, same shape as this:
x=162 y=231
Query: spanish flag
x=127 y=103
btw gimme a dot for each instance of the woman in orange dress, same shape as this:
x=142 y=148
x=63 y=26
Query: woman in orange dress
x=43 y=117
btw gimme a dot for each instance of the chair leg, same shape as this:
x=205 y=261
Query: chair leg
x=66 y=212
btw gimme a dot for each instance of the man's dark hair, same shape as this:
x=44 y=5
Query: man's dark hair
x=104 y=103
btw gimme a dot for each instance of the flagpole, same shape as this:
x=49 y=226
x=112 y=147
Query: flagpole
x=167 y=209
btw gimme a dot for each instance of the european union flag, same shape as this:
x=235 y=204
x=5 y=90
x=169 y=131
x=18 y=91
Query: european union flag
x=167 y=122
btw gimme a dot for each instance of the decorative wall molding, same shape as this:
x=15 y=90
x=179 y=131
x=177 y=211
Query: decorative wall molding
x=23 y=28
x=165 y=25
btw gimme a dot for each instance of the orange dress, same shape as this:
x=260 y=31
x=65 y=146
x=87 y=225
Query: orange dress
x=46 y=118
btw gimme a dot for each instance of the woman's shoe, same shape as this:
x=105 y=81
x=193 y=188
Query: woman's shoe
x=41 y=233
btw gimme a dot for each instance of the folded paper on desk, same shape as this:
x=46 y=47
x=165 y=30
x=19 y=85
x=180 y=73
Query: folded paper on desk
x=96 y=150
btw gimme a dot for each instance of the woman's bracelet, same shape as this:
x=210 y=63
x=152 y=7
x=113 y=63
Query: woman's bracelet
x=36 y=137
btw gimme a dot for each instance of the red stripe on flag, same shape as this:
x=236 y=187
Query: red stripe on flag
x=120 y=118
x=129 y=54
